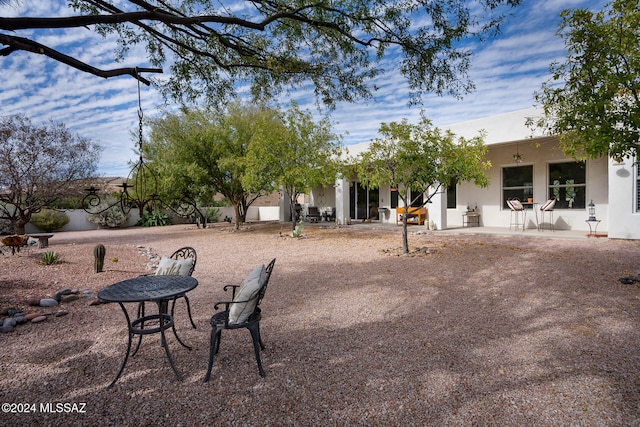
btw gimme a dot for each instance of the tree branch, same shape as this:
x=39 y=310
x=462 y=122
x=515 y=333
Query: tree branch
x=21 y=43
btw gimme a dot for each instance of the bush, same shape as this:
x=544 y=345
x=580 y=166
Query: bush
x=111 y=217
x=154 y=219
x=49 y=220
x=213 y=215
x=50 y=257
x=67 y=203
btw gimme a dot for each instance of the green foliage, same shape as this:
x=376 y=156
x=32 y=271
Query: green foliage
x=203 y=153
x=111 y=217
x=296 y=153
x=298 y=231
x=267 y=47
x=592 y=100
x=67 y=203
x=49 y=258
x=154 y=219
x=421 y=160
x=213 y=214
x=49 y=220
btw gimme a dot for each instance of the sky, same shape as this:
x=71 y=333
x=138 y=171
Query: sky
x=506 y=70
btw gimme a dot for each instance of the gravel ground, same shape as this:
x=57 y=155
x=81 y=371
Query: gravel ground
x=475 y=330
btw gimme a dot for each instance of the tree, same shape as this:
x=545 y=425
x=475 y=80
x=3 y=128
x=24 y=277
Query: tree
x=592 y=100
x=294 y=156
x=204 y=154
x=421 y=160
x=39 y=164
x=339 y=47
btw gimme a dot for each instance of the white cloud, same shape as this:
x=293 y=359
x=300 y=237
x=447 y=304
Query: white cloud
x=506 y=71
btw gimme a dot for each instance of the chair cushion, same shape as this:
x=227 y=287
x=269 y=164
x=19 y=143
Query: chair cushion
x=515 y=205
x=548 y=206
x=239 y=312
x=177 y=267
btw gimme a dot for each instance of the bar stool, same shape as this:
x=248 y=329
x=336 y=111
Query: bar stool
x=547 y=208
x=516 y=210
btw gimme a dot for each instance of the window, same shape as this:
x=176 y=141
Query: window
x=452 y=195
x=394 y=197
x=419 y=200
x=568 y=184
x=517 y=181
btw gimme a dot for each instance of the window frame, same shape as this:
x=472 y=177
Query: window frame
x=553 y=190
x=526 y=185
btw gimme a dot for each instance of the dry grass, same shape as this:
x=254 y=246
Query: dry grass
x=482 y=330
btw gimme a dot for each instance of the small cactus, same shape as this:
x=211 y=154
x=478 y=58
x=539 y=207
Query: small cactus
x=98 y=253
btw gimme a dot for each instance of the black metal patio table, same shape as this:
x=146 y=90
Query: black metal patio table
x=158 y=289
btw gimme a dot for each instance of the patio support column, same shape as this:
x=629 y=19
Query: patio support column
x=285 y=210
x=342 y=201
x=438 y=210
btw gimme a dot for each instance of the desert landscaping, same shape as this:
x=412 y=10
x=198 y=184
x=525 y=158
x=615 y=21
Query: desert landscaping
x=469 y=330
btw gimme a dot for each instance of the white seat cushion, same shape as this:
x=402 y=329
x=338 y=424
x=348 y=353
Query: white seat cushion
x=239 y=312
x=515 y=205
x=548 y=206
x=176 y=267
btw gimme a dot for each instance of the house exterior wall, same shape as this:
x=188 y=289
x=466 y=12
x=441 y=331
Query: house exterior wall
x=539 y=153
x=613 y=187
x=324 y=198
x=624 y=220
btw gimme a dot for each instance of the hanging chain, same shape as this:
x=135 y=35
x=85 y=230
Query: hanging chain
x=140 y=116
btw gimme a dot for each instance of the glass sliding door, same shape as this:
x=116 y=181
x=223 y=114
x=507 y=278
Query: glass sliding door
x=363 y=202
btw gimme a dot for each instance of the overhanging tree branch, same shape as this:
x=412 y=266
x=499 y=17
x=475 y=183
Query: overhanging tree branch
x=21 y=43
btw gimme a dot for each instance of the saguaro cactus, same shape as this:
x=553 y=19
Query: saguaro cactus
x=98 y=253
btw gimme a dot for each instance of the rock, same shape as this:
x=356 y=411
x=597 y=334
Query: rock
x=33 y=301
x=6 y=328
x=60 y=294
x=70 y=298
x=9 y=321
x=61 y=313
x=39 y=319
x=98 y=301
x=20 y=319
x=9 y=311
x=32 y=316
x=48 y=302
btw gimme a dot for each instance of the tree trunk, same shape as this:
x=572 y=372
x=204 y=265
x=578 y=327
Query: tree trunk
x=236 y=210
x=18 y=225
x=405 y=238
x=294 y=213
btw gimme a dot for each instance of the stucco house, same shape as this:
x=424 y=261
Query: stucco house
x=525 y=165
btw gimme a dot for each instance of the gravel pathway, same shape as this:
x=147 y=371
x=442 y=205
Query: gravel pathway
x=472 y=330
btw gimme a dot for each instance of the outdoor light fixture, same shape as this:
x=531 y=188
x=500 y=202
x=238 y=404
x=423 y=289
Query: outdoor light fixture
x=517 y=158
x=140 y=188
x=592 y=211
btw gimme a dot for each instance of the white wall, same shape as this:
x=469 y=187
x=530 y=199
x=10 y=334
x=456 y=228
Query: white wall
x=624 y=223
x=538 y=153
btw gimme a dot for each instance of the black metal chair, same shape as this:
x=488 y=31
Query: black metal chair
x=222 y=320
x=313 y=214
x=186 y=252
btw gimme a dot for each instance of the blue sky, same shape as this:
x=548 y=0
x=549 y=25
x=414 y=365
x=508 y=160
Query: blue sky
x=506 y=71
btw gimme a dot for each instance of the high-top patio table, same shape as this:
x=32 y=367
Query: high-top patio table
x=158 y=289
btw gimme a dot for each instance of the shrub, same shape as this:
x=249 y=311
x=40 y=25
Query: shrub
x=213 y=215
x=50 y=257
x=154 y=219
x=111 y=217
x=49 y=220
